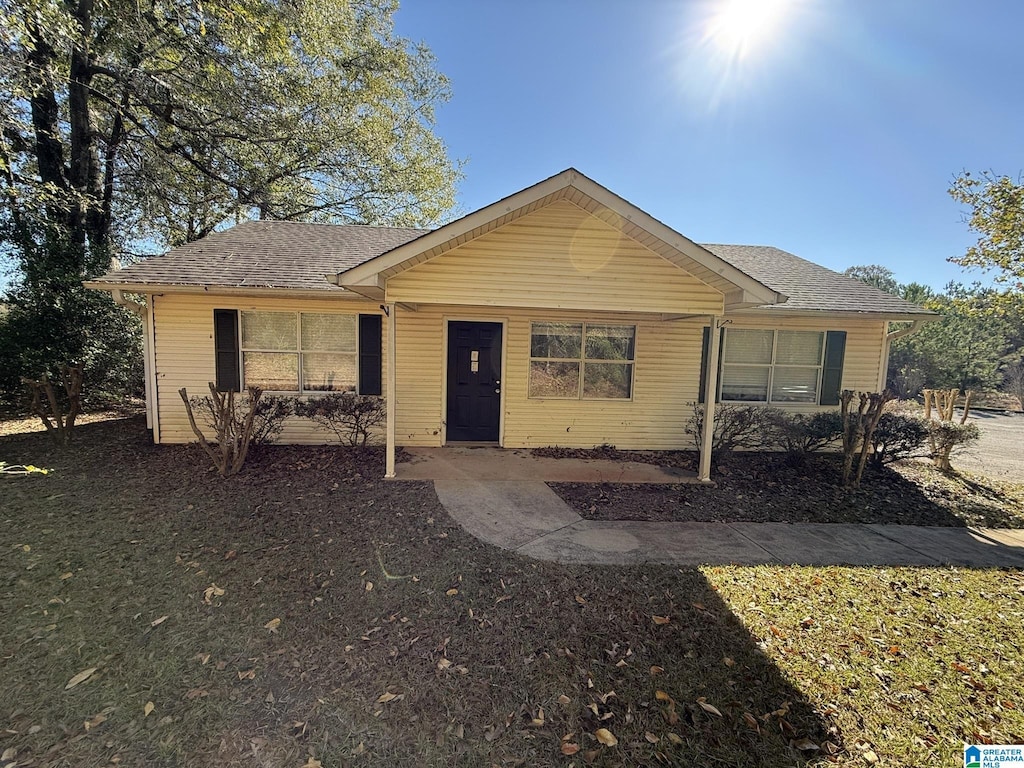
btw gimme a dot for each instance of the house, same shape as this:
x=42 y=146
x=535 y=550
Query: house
x=560 y=315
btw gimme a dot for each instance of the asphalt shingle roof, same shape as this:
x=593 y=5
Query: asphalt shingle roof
x=810 y=286
x=296 y=255
x=267 y=254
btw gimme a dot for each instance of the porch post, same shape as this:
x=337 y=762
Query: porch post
x=392 y=394
x=710 y=395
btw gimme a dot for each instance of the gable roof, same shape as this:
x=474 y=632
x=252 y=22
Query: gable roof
x=264 y=254
x=739 y=288
x=809 y=286
x=296 y=257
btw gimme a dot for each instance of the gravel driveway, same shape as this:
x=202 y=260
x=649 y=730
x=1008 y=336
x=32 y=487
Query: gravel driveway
x=999 y=454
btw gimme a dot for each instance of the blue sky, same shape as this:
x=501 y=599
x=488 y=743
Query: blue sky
x=835 y=137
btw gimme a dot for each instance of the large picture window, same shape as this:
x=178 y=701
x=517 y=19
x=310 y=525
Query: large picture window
x=299 y=351
x=767 y=366
x=592 y=361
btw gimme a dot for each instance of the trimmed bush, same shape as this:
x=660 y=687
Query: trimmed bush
x=352 y=418
x=897 y=436
x=737 y=427
x=801 y=434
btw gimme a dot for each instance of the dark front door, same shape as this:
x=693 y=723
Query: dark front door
x=474 y=381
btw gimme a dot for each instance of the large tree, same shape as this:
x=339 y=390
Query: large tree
x=996 y=214
x=130 y=125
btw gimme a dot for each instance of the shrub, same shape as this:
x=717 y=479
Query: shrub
x=352 y=418
x=271 y=413
x=233 y=429
x=945 y=436
x=737 y=427
x=858 y=430
x=800 y=434
x=897 y=436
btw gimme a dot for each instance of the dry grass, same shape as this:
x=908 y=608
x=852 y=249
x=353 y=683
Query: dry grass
x=404 y=641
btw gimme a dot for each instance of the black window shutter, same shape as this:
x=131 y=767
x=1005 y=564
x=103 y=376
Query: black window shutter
x=370 y=354
x=225 y=342
x=832 y=373
x=705 y=350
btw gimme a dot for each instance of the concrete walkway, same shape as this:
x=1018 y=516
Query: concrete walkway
x=501 y=498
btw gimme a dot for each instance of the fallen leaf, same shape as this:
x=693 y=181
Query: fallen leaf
x=444 y=663
x=158 y=622
x=81 y=677
x=652 y=738
x=751 y=721
x=563 y=699
x=659 y=620
x=452 y=592
x=870 y=757
x=9 y=754
x=662 y=696
x=387 y=696
x=66 y=576
x=248 y=674
x=368 y=586
x=538 y=721
x=272 y=625
x=606 y=737
x=148 y=709
x=708 y=707
x=492 y=732
x=211 y=592
x=312 y=763
x=729 y=662
x=570 y=748
x=656 y=670
x=580 y=600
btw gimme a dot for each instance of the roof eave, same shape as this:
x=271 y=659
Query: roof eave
x=924 y=316
x=235 y=290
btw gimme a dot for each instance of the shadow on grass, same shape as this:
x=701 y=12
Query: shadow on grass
x=402 y=640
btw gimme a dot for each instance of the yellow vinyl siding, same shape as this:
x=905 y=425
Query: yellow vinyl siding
x=665 y=379
x=185 y=354
x=561 y=257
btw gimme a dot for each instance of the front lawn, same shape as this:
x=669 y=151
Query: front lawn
x=308 y=612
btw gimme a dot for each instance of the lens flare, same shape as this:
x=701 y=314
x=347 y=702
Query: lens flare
x=739 y=26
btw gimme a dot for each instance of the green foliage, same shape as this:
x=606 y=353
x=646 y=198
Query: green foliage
x=737 y=427
x=948 y=436
x=897 y=436
x=996 y=214
x=352 y=418
x=874 y=274
x=963 y=350
x=268 y=420
x=52 y=320
x=800 y=434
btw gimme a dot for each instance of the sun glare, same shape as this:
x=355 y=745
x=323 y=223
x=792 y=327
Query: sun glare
x=738 y=26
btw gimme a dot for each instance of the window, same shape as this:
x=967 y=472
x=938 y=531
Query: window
x=582 y=360
x=772 y=366
x=299 y=351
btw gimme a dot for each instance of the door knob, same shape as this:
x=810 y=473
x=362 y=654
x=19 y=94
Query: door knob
x=497 y=390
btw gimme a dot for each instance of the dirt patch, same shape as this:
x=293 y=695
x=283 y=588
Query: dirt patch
x=760 y=487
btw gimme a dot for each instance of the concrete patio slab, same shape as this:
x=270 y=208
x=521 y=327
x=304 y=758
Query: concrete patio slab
x=489 y=463
x=957 y=546
x=626 y=543
x=506 y=513
x=830 y=544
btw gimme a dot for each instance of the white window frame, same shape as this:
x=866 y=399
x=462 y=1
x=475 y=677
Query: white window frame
x=582 y=361
x=771 y=366
x=297 y=351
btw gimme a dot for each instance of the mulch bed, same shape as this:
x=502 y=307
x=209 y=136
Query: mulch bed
x=760 y=487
